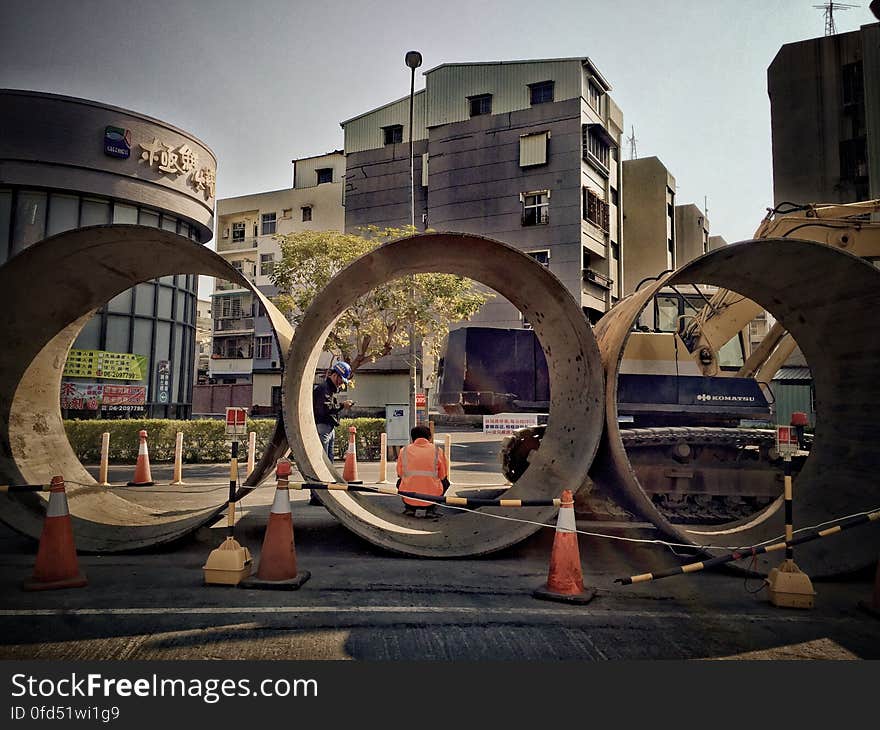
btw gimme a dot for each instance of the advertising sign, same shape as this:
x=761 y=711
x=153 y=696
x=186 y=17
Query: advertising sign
x=506 y=424
x=117 y=142
x=101 y=364
x=97 y=396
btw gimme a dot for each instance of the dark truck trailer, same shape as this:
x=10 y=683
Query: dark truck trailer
x=486 y=370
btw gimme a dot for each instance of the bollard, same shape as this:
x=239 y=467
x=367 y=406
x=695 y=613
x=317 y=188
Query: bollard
x=447 y=446
x=105 y=459
x=383 y=458
x=252 y=451
x=178 y=460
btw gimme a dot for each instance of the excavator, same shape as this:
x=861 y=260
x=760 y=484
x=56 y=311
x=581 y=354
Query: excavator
x=694 y=458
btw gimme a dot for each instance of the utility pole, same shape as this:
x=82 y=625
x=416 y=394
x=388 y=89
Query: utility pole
x=413 y=60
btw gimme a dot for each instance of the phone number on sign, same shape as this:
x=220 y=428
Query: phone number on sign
x=64 y=712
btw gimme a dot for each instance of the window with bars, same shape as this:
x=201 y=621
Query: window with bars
x=268 y=221
x=238 y=231
x=595 y=97
x=541 y=92
x=536 y=208
x=267 y=264
x=595 y=144
x=480 y=104
x=263 y=347
x=307 y=213
x=393 y=134
x=325 y=175
x=595 y=210
x=542 y=257
x=232 y=307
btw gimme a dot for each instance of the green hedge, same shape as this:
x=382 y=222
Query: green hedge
x=204 y=441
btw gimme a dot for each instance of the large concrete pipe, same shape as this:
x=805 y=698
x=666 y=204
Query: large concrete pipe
x=575 y=419
x=827 y=299
x=52 y=288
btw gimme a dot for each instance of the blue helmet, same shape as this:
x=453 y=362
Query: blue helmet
x=343 y=370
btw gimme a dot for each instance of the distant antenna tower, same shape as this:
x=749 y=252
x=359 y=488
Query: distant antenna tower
x=632 y=144
x=829 y=9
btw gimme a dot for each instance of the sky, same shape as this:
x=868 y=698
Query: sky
x=266 y=81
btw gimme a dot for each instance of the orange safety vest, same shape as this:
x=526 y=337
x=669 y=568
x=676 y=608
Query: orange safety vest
x=421 y=467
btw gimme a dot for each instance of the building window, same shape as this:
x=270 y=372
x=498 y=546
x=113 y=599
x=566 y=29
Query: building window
x=263 y=347
x=307 y=212
x=533 y=149
x=615 y=200
x=595 y=97
x=393 y=134
x=276 y=398
x=542 y=257
x=854 y=160
x=596 y=147
x=268 y=223
x=238 y=232
x=325 y=175
x=541 y=93
x=238 y=265
x=595 y=210
x=481 y=104
x=536 y=208
x=267 y=264
x=853 y=84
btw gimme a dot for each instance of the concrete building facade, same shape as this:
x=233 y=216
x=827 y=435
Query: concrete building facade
x=691 y=233
x=523 y=151
x=825 y=118
x=68 y=163
x=244 y=350
x=648 y=221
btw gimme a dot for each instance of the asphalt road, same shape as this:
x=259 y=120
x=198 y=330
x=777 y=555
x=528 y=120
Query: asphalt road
x=365 y=603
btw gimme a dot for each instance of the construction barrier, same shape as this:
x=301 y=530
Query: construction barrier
x=56 y=565
x=142 y=476
x=565 y=579
x=383 y=458
x=809 y=536
x=447 y=447
x=178 y=460
x=252 y=452
x=277 y=567
x=452 y=501
x=105 y=459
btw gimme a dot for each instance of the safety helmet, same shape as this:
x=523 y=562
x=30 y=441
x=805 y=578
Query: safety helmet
x=343 y=370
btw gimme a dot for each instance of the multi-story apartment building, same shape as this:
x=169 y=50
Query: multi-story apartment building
x=691 y=233
x=522 y=151
x=648 y=220
x=244 y=352
x=825 y=118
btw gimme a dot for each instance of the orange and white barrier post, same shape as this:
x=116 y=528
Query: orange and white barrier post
x=565 y=580
x=277 y=567
x=178 y=460
x=142 y=476
x=56 y=565
x=252 y=451
x=383 y=458
x=350 y=468
x=105 y=460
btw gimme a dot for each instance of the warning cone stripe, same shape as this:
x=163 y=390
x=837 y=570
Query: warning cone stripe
x=565 y=521
x=281 y=503
x=57 y=505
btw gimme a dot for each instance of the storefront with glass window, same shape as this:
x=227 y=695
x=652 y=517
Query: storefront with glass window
x=69 y=163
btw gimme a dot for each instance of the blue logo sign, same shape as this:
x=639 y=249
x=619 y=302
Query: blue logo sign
x=117 y=142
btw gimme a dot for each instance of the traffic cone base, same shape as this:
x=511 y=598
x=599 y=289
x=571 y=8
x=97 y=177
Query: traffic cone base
x=56 y=565
x=565 y=581
x=228 y=564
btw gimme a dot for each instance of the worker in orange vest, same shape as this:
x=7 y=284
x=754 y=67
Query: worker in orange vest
x=422 y=468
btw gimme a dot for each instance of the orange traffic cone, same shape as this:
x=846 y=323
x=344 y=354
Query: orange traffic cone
x=56 y=565
x=277 y=568
x=350 y=468
x=142 y=476
x=873 y=607
x=565 y=581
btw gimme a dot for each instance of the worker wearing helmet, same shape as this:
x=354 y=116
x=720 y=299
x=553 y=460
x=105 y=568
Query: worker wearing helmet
x=327 y=408
x=422 y=468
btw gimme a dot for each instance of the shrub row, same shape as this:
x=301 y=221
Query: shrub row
x=204 y=441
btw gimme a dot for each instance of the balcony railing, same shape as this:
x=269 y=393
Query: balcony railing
x=229 y=244
x=243 y=324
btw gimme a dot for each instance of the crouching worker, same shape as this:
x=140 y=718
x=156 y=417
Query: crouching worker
x=421 y=468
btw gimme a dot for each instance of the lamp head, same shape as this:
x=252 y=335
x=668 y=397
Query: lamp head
x=413 y=59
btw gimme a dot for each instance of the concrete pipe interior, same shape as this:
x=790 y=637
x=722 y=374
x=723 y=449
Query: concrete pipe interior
x=53 y=288
x=575 y=420
x=826 y=299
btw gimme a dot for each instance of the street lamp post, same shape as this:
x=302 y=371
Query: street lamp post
x=413 y=60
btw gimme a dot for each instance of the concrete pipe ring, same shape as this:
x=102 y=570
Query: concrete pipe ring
x=575 y=372
x=53 y=288
x=824 y=298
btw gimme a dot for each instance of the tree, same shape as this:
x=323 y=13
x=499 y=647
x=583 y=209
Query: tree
x=379 y=321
